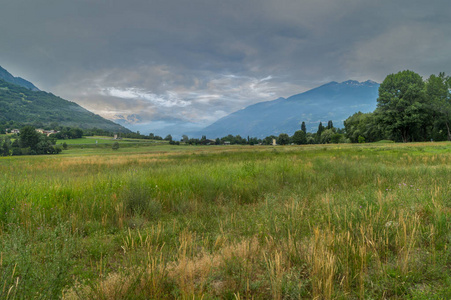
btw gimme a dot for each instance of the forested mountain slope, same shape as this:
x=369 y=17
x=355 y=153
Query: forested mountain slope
x=22 y=105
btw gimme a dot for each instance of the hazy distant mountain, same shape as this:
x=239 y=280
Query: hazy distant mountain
x=333 y=101
x=24 y=104
x=6 y=76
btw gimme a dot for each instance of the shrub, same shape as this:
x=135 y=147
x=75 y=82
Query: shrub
x=361 y=139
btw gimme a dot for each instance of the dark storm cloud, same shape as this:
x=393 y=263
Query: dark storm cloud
x=199 y=60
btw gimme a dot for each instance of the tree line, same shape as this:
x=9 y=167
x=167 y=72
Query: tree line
x=29 y=142
x=324 y=135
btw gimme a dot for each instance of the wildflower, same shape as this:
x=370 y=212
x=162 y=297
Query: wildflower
x=391 y=223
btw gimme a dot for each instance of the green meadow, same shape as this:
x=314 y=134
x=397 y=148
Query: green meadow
x=154 y=221
x=102 y=140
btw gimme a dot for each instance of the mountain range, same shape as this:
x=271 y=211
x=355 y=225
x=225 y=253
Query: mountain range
x=23 y=103
x=332 y=101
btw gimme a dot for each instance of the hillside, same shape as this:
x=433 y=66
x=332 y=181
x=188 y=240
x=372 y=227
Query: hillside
x=23 y=105
x=333 y=101
x=6 y=76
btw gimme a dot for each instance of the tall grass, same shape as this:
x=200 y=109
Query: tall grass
x=321 y=222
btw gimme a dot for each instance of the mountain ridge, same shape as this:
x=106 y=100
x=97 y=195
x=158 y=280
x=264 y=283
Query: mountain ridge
x=24 y=105
x=8 y=77
x=331 y=101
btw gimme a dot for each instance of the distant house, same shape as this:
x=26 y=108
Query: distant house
x=49 y=132
x=207 y=142
x=226 y=143
x=46 y=132
x=16 y=131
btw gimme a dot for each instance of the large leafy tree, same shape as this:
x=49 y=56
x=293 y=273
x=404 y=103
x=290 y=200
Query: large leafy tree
x=364 y=125
x=283 y=139
x=401 y=108
x=439 y=97
x=29 y=138
x=326 y=136
x=299 y=137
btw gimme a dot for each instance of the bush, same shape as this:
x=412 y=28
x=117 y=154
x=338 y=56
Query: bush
x=336 y=138
x=361 y=139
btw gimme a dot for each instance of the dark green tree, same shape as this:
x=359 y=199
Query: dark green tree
x=28 y=138
x=75 y=133
x=330 y=125
x=299 y=137
x=337 y=138
x=320 y=129
x=5 y=147
x=303 y=128
x=115 y=146
x=360 y=124
x=283 y=139
x=240 y=140
x=16 y=148
x=439 y=96
x=401 y=108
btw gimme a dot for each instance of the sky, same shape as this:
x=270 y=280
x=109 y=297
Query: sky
x=171 y=66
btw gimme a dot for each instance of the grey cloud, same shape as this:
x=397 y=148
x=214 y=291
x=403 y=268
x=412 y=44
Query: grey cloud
x=213 y=54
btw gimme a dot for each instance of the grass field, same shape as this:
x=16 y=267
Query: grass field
x=96 y=140
x=367 y=221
